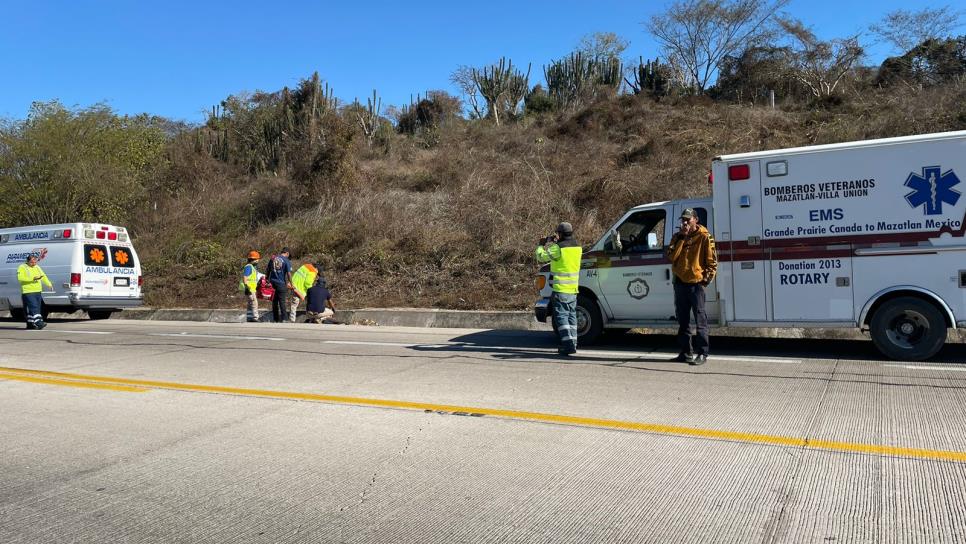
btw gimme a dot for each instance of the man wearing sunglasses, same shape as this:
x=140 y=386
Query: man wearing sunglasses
x=694 y=263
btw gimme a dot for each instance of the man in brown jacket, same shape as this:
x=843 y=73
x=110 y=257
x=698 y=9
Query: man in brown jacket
x=694 y=263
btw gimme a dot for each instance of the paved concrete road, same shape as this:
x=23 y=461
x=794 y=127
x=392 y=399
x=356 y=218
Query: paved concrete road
x=200 y=432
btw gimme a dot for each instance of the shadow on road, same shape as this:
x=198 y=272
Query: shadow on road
x=858 y=350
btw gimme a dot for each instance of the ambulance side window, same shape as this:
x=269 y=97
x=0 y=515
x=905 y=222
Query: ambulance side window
x=121 y=257
x=702 y=217
x=634 y=231
x=95 y=255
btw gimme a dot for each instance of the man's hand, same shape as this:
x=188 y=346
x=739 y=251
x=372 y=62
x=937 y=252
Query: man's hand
x=543 y=241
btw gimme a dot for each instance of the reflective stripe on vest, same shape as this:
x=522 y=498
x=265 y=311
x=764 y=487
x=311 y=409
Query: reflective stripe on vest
x=566 y=270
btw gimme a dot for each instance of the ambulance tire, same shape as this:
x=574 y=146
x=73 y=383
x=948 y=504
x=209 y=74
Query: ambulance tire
x=908 y=328
x=99 y=314
x=590 y=324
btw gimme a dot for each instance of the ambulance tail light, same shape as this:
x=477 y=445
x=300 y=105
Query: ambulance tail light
x=739 y=172
x=100 y=235
x=75 y=279
x=112 y=236
x=140 y=281
x=541 y=282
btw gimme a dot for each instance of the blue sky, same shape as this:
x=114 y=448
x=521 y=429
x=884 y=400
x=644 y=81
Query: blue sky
x=178 y=58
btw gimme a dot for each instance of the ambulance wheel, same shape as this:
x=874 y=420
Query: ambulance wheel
x=590 y=325
x=908 y=328
x=99 y=314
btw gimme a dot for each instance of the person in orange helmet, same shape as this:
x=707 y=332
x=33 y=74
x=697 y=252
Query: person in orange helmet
x=249 y=284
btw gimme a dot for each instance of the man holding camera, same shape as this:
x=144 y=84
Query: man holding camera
x=694 y=263
x=563 y=253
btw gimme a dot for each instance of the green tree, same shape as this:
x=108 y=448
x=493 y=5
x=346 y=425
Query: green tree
x=61 y=165
x=933 y=62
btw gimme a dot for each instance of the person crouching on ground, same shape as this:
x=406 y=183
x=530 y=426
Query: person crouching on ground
x=318 y=305
x=32 y=279
x=563 y=253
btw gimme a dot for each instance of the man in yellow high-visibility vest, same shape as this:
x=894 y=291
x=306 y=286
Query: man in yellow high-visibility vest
x=249 y=285
x=32 y=279
x=563 y=253
x=302 y=280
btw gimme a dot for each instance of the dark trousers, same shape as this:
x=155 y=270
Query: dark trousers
x=280 y=303
x=32 y=304
x=688 y=299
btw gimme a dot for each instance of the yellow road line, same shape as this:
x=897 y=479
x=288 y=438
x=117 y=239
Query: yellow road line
x=657 y=428
x=68 y=383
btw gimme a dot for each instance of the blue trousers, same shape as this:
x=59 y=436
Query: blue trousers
x=565 y=319
x=32 y=303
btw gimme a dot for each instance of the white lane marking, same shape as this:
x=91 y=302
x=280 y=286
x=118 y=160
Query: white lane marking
x=550 y=351
x=81 y=332
x=221 y=336
x=921 y=367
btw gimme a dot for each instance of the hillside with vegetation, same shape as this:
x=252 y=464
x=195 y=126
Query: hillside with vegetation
x=440 y=203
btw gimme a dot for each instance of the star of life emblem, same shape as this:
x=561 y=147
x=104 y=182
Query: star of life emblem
x=932 y=189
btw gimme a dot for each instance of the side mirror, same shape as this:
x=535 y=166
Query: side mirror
x=615 y=241
x=652 y=241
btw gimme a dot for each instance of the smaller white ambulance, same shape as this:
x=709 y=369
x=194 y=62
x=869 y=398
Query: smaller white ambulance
x=93 y=267
x=868 y=235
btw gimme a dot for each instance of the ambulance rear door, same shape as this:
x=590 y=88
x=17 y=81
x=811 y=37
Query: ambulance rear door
x=96 y=277
x=748 y=264
x=124 y=281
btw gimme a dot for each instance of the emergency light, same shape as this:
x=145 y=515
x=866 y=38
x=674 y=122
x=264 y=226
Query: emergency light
x=739 y=172
x=100 y=235
x=112 y=236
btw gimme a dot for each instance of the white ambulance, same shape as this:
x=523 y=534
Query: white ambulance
x=92 y=267
x=867 y=234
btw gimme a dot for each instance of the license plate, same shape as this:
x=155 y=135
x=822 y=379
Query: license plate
x=122 y=282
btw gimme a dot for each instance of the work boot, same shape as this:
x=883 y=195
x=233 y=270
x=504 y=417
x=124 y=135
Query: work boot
x=41 y=325
x=684 y=358
x=699 y=360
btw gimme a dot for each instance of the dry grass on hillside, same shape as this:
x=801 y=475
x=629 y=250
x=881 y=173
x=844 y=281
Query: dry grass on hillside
x=455 y=225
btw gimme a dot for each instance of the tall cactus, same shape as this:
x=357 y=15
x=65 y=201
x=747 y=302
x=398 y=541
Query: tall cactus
x=575 y=80
x=502 y=86
x=368 y=116
x=650 y=78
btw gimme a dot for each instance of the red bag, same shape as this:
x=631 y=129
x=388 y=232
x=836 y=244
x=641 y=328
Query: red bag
x=264 y=290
